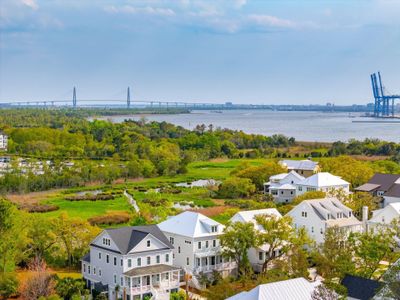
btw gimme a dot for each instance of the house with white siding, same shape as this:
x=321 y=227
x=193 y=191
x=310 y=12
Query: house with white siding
x=384 y=217
x=283 y=186
x=133 y=261
x=197 y=248
x=324 y=181
x=316 y=216
x=256 y=255
x=3 y=141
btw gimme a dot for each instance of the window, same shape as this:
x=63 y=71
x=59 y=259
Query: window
x=129 y=263
x=167 y=276
x=115 y=261
x=122 y=281
x=274 y=192
x=260 y=255
x=304 y=214
x=291 y=192
x=281 y=192
x=139 y=262
x=206 y=244
x=158 y=259
x=99 y=255
x=179 y=249
x=312 y=228
x=349 y=214
x=300 y=188
x=94 y=271
x=214 y=243
x=167 y=257
x=199 y=245
x=171 y=240
x=148 y=260
x=148 y=243
x=115 y=279
x=187 y=260
x=106 y=241
x=107 y=258
x=122 y=262
x=198 y=262
x=188 y=242
x=100 y=272
x=88 y=269
x=214 y=228
x=321 y=231
x=84 y=268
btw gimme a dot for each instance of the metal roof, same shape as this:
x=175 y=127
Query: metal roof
x=148 y=270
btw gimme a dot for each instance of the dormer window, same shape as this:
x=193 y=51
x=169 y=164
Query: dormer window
x=214 y=228
x=304 y=214
x=106 y=242
x=148 y=243
x=349 y=214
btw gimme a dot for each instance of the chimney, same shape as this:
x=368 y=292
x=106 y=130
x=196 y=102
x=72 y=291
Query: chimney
x=365 y=214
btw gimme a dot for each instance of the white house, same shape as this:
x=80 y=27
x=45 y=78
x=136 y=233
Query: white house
x=282 y=186
x=319 y=214
x=256 y=255
x=385 y=216
x=197 y=249
x=304 y=167
x=323 y=181
x=291 y=289
x=3 y=141
x=136 y=260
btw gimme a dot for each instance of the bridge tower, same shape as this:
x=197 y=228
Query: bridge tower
x=74 y=98
x=128 y=98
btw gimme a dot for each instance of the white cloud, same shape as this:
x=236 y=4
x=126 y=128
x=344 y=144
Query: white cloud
x=30 y=3
x=239 y=3
x=147 y=10
x=271 y=21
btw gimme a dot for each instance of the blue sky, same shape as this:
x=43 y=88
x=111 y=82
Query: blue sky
x=244 y=51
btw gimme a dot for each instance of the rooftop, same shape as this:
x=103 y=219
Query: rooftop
x=360 y=288
x=299 y=164
x=126 y=238
x=148 y=270
x=323 y=179
x=190 y=224
x=294 y=289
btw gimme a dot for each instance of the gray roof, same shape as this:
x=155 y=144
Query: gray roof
x=394 y=191
x=367 y=187
x=154 y=269
x=300 y=164
x=384 y=180
x=126 y=238
x=86 y=257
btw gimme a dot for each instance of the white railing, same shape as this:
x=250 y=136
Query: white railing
x=218 y=267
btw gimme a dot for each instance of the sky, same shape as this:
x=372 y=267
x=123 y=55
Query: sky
x=243 y=51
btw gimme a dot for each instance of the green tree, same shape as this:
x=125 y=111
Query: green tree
x=237 y=239
x=334 y=257
x=13 y=235
x=309 y=196
x=68 y=287
x=236 y=188
x=261 y=174
x=40 y=235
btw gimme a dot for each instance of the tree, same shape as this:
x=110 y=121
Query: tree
x=370 y=248
x=391 y=288
x=360 y=199
x=40 y=283
x=40 y=235
x=309 y=196
x=8 y=285
x=322 y=292
x=236 y=188
x=334 y=257
x=280 y=237
x=13 y=235
x=260 y=174
x=237 y=239
x=73 y=236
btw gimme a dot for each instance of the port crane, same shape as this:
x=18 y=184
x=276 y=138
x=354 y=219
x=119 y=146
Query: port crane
x=384 y=104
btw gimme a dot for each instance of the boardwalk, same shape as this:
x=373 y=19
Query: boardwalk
x=132 y=201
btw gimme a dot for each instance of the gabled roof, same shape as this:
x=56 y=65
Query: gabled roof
x=249 y=215
x=286 y=186
x=299 y=164
x=190 y=224
x=293 y=289
x=323 y=179
x=361 y=288
x=278 y=176
x=385 y=181
x=126 y=238
x=367 y=187
x=379 y=213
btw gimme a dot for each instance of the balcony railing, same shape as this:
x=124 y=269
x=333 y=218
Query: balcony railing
x=162 y=286
x=217 y=267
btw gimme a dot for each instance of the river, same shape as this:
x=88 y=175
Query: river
x=303 y=126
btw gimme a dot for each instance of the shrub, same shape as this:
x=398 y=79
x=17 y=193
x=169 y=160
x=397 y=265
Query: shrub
x=38 y=208
x=8 y=285
x=91 y=197
x=110 y=219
